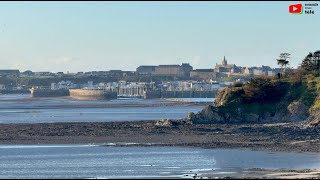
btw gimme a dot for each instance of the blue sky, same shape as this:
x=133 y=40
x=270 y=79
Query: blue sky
x=87 y=36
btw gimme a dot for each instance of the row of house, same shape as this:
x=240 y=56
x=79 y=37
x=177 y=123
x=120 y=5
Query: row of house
x=185 y=70
x=166 y=70
x=165 y=86
x=226 y=70
x=28 y=73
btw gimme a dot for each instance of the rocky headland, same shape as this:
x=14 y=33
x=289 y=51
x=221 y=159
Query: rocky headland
x=264 y=100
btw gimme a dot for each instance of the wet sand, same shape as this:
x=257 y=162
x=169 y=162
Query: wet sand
x=288 y=137
x=275 y=137
x=257 y=173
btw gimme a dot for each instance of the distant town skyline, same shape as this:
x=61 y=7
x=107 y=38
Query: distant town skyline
x=99 y=36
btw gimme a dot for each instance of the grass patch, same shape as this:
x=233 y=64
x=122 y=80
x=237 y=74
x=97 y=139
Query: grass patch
x=316 y=105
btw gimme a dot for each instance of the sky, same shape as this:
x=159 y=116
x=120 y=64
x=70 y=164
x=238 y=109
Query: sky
x=100 y=36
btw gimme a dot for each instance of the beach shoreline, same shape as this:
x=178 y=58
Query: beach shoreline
x=276 y=137
x=288 y=137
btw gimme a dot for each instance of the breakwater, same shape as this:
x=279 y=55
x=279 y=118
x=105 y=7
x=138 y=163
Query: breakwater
x=49 y=92
x=99 y=94
x=178 y=94
x=20 y=91
x=90 y=94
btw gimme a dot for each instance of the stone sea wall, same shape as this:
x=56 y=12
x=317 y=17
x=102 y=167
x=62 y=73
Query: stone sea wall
x=22 y=91
x=178 y=94
x=88 y=94
x=49 y=92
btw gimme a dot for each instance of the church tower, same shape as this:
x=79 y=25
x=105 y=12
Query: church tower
x=224 y=62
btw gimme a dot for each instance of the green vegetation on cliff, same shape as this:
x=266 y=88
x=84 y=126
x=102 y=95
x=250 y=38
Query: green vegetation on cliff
x=261 y=100
x=314 y=86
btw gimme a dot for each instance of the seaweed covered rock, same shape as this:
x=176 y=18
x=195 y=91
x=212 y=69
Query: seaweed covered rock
x=172 y=123
x=165 y=123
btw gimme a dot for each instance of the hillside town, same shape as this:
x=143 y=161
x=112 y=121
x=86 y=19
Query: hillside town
x=162 y=77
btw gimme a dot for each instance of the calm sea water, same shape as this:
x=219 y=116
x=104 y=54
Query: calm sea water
x=93 y=161
x=24 y=109
x=96 y=161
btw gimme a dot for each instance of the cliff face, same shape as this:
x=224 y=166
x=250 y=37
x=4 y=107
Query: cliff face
x=261 y=100
x=314 y=117
x=314 y=110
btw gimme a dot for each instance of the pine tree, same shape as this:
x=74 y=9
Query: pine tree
x=283 y=62
x=311 y=62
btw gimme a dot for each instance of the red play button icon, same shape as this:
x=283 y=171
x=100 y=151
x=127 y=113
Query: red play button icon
x=295 y=8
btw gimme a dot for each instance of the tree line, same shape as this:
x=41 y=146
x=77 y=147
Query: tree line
x=310 y=64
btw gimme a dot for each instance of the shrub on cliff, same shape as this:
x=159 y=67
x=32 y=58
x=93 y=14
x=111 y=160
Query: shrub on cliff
x=238 y=84
x=296 y=77
x=264 y=90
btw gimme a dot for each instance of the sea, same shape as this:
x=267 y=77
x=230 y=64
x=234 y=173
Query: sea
x=22 y=108
x=101 y=161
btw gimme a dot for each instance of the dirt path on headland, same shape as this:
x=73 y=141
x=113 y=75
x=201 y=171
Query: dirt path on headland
x=275 y=137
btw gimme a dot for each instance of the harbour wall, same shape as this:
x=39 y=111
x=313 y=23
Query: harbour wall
x=22 y=91
x=49 y=92
x=89 y=94
x=178 y=94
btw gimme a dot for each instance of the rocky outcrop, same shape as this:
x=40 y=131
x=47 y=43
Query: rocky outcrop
x=315 y=121
x=221 y=97
x=165 y=123
x=314 y=118
x=256 y=103
x=297 y=111
x=212 y=115
x=172 y=123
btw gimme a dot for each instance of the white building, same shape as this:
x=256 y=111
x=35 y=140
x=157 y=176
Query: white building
x=2 y=87
x=54 y=86
x=271 y=73
x=204 y=86
x=63 y=85
x=258 y=72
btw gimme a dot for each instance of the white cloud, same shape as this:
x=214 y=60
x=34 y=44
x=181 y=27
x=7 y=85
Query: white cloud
x=195 y=61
